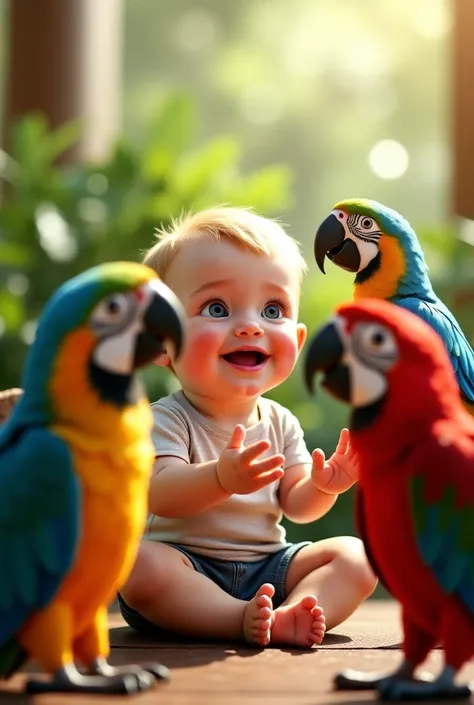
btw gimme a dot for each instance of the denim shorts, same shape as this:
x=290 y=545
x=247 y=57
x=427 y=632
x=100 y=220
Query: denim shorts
x=239 y=579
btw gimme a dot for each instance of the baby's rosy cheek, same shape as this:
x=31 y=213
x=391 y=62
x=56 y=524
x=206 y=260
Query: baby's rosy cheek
x=207 y=339
x=287 y=348
x=202 y=348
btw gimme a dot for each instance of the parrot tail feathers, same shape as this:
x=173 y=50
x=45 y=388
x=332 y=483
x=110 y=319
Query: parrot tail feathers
x=12 y=658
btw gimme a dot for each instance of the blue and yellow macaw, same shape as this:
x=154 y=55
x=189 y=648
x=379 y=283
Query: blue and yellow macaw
x=75 y=461
x=382 y=249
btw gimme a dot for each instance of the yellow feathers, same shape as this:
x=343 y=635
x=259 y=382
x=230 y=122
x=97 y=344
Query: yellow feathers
x=383 y=284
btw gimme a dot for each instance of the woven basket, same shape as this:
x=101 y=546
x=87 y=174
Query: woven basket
x=8 y=399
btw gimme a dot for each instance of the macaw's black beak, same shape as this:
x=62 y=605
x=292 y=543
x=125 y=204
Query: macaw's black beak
x=330 y=242
x=164 y=321
x=325 y=355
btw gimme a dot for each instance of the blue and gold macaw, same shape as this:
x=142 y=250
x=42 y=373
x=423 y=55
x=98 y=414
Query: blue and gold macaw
x=75 y=461
x=382 y=249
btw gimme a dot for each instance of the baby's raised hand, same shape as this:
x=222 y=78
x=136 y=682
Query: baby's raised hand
x=337 y=474
x=239 y=471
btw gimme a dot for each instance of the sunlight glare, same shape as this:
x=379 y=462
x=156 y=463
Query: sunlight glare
x=388 y=159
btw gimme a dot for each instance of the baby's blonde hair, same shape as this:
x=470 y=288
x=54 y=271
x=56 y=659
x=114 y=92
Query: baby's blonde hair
x=240 y=226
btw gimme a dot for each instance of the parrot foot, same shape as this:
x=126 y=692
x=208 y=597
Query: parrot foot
x=101 y=667
x=391 y=689
x=69 y=680
x=443 y=687
x=358 y=680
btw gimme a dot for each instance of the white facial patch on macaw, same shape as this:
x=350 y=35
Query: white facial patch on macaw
x=116 y=354
x=367 y=384
x=118 y=319
x=364 y=231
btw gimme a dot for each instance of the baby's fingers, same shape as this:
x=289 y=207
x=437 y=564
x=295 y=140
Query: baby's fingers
x=274 y=462
x=343 y=443
x=267 y=478
x=319 y=460
x=254 y=450
x=237 y=438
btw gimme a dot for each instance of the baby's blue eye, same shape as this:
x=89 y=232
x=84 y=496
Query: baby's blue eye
x=215 y=309
x=272 y=311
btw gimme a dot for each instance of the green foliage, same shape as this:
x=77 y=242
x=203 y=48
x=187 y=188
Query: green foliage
x=58 y=220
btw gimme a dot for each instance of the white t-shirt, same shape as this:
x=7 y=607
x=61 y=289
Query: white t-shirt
x=243 y=527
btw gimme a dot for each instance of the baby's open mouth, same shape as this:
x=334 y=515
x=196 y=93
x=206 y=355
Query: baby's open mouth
x=246 y=358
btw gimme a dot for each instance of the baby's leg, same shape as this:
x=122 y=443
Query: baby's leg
x=337 y=571
x=165 y=588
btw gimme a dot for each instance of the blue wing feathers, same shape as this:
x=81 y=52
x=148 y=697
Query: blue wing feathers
x=39 y=524
x=443 y=548
x=430 y=541
x=451 y=566
x=466 y=594
x=439 y=317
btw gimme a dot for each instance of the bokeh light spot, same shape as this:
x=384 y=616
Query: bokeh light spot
x=388 y=159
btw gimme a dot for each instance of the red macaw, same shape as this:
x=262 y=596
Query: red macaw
x=414 y=441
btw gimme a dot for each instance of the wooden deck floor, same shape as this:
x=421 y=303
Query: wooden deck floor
x=223 y=674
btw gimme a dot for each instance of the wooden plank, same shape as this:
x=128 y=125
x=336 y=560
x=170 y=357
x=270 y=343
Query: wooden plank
x=462 y=111
x=269 y=676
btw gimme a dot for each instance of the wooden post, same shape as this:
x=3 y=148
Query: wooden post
x=65 y=61
x=463 y=108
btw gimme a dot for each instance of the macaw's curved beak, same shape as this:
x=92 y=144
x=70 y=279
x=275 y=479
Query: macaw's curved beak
x=163 y=321
x=325 y=355
x=330 y=241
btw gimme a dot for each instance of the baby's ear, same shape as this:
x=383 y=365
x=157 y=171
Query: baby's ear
x=301 y=333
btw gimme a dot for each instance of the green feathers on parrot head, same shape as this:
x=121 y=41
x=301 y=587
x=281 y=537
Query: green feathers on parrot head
x=353 y=235
x=113 y=318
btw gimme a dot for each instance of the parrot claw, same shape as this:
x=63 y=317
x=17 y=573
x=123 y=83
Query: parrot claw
x=69 y=680
x=402 y=686
x=393 y=689
x=157 y=670
x=356 y=680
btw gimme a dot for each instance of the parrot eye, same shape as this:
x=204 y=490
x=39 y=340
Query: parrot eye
x=376 y=345
x=367 y=223
x=111 y=311
x=378 y=339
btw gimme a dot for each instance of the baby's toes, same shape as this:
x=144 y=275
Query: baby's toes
x=266 y=589
x=261 y=631
x=264 y=602
x=310 y=602
x=262 y=625
x=318 y=631
x=264 y=613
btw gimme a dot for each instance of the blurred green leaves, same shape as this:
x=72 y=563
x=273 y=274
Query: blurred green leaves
x=57 y=220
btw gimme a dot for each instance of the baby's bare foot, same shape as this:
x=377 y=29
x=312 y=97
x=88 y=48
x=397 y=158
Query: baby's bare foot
x=257 y=616
x=299 y=624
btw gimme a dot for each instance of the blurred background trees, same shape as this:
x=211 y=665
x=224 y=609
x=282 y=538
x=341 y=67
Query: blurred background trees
x=285 y=107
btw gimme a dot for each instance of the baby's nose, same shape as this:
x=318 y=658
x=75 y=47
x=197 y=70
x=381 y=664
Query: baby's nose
x=249 y=328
